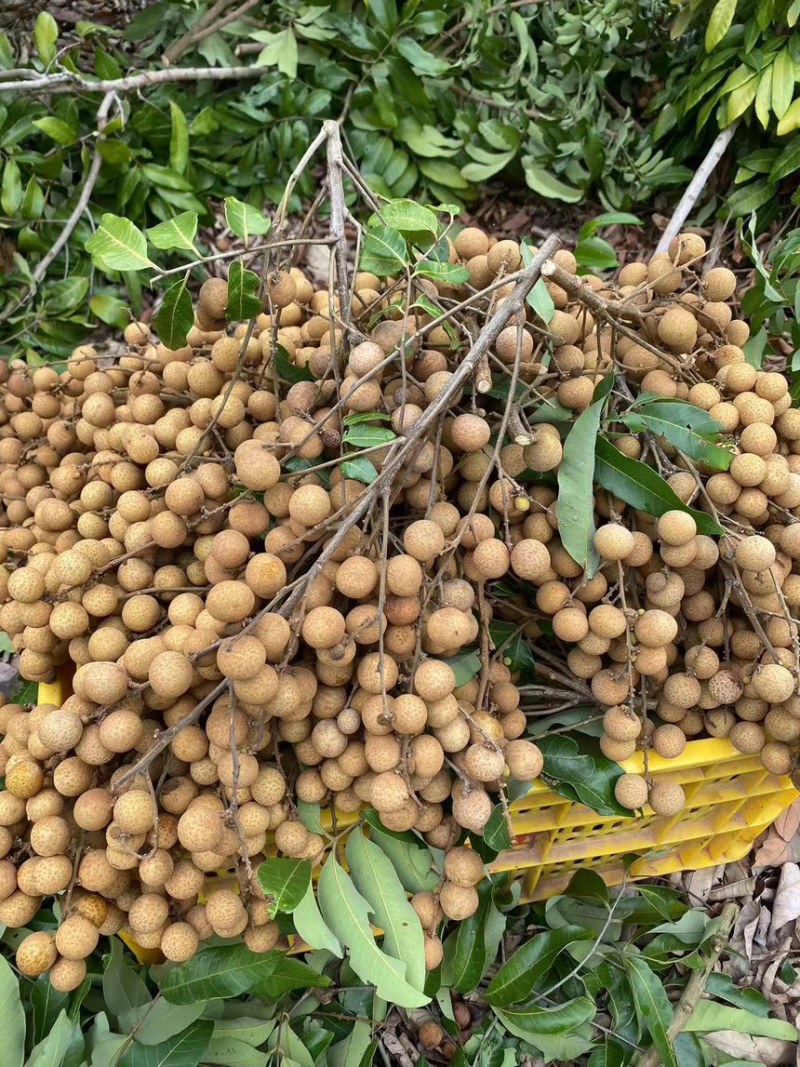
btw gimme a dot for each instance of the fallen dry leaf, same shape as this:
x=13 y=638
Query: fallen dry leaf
x=767 y=1050
x=786 y=906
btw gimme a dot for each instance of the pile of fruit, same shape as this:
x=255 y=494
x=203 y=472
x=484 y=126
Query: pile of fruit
x=263 y=552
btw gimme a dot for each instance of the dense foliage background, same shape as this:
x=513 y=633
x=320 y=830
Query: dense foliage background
x=608 y=102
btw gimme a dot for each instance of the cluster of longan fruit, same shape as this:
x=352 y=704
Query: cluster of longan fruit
x=251 y=627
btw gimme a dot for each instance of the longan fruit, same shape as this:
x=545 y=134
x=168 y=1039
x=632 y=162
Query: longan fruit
x=76 y=937
x=631 y=791
x=36 y=954
x=666 y=798
x=668 y=741
x=523 y=759
x=66 y=975
x=613 y=542
x=458 y=902
x=622 y=724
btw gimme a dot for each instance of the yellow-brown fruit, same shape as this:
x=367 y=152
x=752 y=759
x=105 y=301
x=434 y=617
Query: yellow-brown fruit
x=774 y=683
x=463 y=866
x=472 y=810
x=36 y=954
x=524 y=760
x=76 y=937
x=719 y=284
x=613 y=542
x=102 y=683
x=66 y=975
x=323 y=627
x=389 y=792
x=666 y=798
x=24 y=779
x=631 y=791
x=655 y=628
x=430 y=1035
x=676 y=528
x=458 y=902
x=776 y=757
x=747 y=738
x=148 y=913
x=491 y=559
x=225 y=912
x=428 y=909
x=622 y=724
x=668 y=741
x=291 y=838
x=530 y=560
x=677 y=328
x=434 y=953
x=483 y=764
x=179 y=942
x=755 y=553
x=135 y=812
x=470 y=433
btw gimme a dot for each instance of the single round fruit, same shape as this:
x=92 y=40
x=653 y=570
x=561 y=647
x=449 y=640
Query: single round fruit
x=666 y=798
x=458 y=902
x=631 y=791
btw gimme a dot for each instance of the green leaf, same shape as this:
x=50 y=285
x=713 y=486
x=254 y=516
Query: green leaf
x=363 y=436
x=117 y=244
x=384 y=251
x=465 y=666
x=243 y=300
x=356 y=1050
x=12 y=1032
x=496 y=833
x=310 y=925
x=11 y=191
x=123 y=989
x=63 y=296
x=360 y=469
x=541 y=301
x=245 y=221
x=411 y=858
x=247 y=1029
x=445 y=273
x=408 y=217
x=46 y=1005
x=45 y=35
x=469 y=955
x=109 y=309
x=517 y=977
x=642 y=487
x=515 y=650
x=289 y=371
x=52 y=1049
x=160 y=1021
x=175 y=233
x=783 y=80
x=33 y=201
x=184 y=1050
x=232 y=1053
x=421 y=61
x=722 y=986
x=576 y=488
x=289 y=974
x=223 y=971
x=175 y=317
x=179 y=140
x=708 y=1017
x=719 y=22
x=686 y=427
x=285 y=882
x=536 y=1024
x=347 y=913
x=546 y=184
x=585 y=776
x=653 y=1008
x=377 y=880
x=56 y=129
x=787 y=162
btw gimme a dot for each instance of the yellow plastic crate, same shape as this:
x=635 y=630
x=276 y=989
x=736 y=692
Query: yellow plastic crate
x=730 y=801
